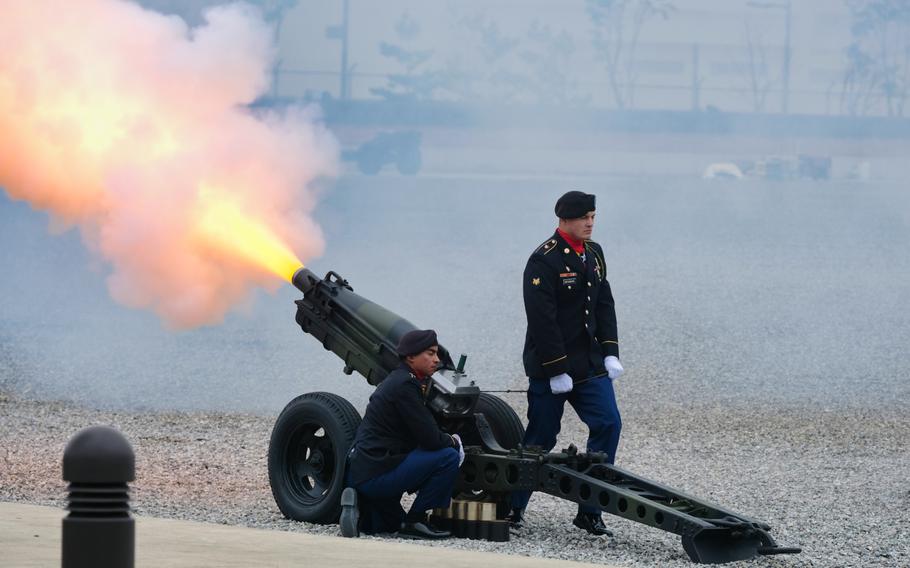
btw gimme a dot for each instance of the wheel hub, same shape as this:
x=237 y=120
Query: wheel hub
x=316 y=461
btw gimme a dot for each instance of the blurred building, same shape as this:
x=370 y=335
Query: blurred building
x=728 y=55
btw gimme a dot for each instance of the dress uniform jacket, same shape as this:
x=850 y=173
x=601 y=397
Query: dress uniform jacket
x=396 y=422
x=570 y=311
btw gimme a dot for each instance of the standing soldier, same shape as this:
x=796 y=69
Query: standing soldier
x=571 y=351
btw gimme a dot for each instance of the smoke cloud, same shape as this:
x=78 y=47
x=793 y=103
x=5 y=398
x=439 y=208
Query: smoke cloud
x=127 y=124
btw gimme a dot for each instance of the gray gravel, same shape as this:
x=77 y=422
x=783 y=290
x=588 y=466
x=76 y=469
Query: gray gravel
x=833 y=482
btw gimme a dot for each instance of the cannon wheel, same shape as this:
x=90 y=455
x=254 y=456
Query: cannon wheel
x=504 y=421
x=307 y=453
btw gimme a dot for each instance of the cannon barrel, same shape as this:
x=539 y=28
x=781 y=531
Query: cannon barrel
x=365 y=335
x=304 y=279
x=360 y=332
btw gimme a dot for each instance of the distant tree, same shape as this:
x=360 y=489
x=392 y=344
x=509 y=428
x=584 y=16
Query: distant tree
x=617 y=26
x=534 y=68
x=859 y=92
x=547 y=55
x=417 y=82
x=191 y=10
x=759 y=80
x=497 y=77
x=275 y=10
x=877 y=71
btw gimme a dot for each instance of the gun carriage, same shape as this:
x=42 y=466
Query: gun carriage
x=312 y=436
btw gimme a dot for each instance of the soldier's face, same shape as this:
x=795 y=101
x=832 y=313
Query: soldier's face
x=579 y=229
x=425 y=362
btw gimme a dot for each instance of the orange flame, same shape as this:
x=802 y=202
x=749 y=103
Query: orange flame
x=134 y=128
x=223 y=224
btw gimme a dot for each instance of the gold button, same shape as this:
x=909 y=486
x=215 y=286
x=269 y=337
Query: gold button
x=589 y=298
x=586 y=312
x=589 y=284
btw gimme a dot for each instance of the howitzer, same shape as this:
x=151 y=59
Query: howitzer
x=314 y=432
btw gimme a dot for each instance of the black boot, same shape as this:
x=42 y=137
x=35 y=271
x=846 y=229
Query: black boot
x=592 y=523
x=350 y=513
x=516 y=518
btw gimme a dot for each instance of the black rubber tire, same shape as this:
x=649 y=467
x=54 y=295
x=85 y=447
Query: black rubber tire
x=504 y=421
x=307 y=452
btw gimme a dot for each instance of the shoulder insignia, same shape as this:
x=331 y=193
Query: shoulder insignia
x=546 y=246
x=535 y=281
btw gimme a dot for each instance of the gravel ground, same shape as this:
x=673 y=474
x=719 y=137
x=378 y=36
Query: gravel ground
x=833 y=482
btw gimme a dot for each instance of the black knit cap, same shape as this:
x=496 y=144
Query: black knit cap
x=416 y=341
x=574 y=204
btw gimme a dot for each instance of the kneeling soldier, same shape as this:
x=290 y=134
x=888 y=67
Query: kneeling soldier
x=399 y=447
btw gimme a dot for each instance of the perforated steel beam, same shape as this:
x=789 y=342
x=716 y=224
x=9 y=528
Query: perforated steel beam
x=710 y=533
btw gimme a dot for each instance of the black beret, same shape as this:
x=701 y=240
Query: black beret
x=416 y=341
x=574 y=204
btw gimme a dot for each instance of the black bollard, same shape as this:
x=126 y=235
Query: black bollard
x=98 y=532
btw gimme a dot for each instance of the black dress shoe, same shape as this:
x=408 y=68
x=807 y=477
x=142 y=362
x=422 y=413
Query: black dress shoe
x=421 y=530
x=516 y=518
x=350 y=514
x=592 y=523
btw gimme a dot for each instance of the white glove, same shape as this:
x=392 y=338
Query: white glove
x=457 y=438
x=561 y=384
x=613 y=366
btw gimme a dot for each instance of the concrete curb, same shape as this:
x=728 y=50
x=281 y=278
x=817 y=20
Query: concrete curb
x=30 y=538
